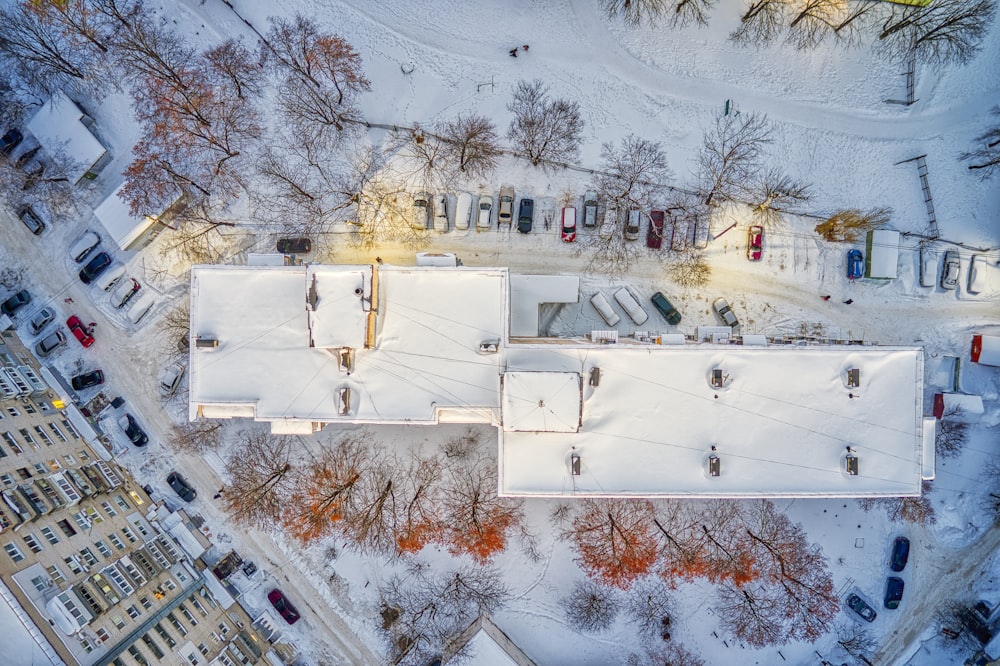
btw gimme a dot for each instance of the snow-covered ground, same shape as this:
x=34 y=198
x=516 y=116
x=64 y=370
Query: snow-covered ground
x=833 y=129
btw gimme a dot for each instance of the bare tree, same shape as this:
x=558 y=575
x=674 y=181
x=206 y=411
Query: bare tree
x=649 y=604
x=945 y=31
x=730 y=154
x=917 y=510
x=471 y=142
x=762 y=22
x=382 y=206
x=197 y=436
x=634 y=12
x=847 y=225
x=591 y=607
x=857 y=641
x=666 y=654
x=233 y=61
x=687 y=12
x=986 y=158
x=690 y=269
x=773 y=192
x=812 y=21
x=544 y=130
x=952 y=432
x=854 y=23
x=431 y=609
x=632 y=174
x=261 y=478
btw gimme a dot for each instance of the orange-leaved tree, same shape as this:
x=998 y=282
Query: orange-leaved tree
x=614 y=539
x=474 y=519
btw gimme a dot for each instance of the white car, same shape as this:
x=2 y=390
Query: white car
x=171 y=379
x=441 y=213
x=633 y=224
x=952 y=270
x=463 y=211
x=977 y=274
x=109 y=278
x=139 y=309
x=124 y=292
x=485 y=209
x=84 y=245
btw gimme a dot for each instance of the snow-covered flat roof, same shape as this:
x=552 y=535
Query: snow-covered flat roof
x=781 y=423
x=58 y=127
x=527 y=292
x=429 y=324
x=116 y=217
x=883 y=253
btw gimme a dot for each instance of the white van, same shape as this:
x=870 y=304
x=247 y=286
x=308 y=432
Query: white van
x=604 y=309
x=928 y=266
x=485 y=210
x=631 y=306
x=463 y=211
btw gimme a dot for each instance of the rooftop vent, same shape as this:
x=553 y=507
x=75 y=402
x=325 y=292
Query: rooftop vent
x=852 y=462
x=853 y=378
x=344 y=400
x=714 y=463
x=574 y=464
x=595 y=376
x=206 y=343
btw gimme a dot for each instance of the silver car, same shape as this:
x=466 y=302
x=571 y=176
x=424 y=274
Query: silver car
x=506 y=213
x=952 y=270
x=726 y=314
x=41 y=320
x=50 y=343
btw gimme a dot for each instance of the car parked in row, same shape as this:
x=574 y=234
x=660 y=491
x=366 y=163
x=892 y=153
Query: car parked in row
x=755 y=243
x=893 y=591
x=132 y=430
x=590 y=209
x=31 y=220
x=900 y=554
x=525 y=215
x=441 y=213
x=666 y=308
x=505 y=214
x=633 y=224
x=83 y=246
x=181 y=487
x=928 y=266
x=568 y=226
x=861 y=607
x=485 y=211
x=654 y=233
x=977 y=274
x=79 y=331
x=294 y=245
x=726 y=314
x=95 y=267
x=855 y=264
x=50 y=343
x=110 y=277
x=463 y=211
x=952 y=270
x=283 y=606
x=15 y=302
x=124 y=292
x=171 y=379
x=420 y=215
x=40 y=320
x=87 y=380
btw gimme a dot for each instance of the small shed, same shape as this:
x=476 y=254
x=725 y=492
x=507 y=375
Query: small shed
x=986 y=349
x=964 y=404
x=65 y=132
x=882 y=254
x=130 y=232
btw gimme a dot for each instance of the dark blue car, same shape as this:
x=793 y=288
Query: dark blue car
x=95 y=267
x=855 y=264
x=900 y=554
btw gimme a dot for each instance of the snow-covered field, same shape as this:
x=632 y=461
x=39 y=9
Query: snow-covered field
x=833 y=129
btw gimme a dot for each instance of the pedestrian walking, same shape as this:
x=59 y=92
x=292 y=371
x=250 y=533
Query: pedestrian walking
x=92 y=324
x=67 y=300
x=216 y=495
x=513 y=52
x=827 y=297
x=848 y=301
x=525 y=47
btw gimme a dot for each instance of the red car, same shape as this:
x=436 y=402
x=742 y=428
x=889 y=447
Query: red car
x=654 y=234
x=80 y=331
x=569 y=224
x=282 y=605
x=755 y=243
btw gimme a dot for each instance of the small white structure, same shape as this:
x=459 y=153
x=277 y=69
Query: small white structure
x=883 y=254
x=62 y=128
x=528 y=292
x=130 y=232
x=986 y=349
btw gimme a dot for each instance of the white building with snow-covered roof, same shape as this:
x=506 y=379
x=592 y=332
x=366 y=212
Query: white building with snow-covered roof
x=303 y=346
x=66 y=132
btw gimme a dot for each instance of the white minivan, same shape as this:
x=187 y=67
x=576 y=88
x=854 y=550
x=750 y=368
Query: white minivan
x=631 y=306
x=604 y=309
x=463 y=211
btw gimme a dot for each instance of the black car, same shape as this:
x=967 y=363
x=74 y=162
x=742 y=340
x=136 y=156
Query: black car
x=524 y=215
x=294 y=245
x=135 y=434
x=95 y=267
x=858 y=605
x=900 y=554
x=31 y=220
x=181 y=487
x=15 y=302
x=893 y=592
x=10 y=141
x=87 y=380
x=666 y=308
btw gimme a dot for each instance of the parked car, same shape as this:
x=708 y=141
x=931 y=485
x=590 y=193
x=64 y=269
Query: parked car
x=590 y=209
x=294 y=245
x=900 y=554
x=80 y=331
x=631 y=306
x=952 y=270
x=26 y=155
x=463 y=211
x=40 y=320
x=171 y=379
x=283 y=606
x=666 y=308
x=505 y=215
x=633 y=224
x=893 y=591
x=15 y=302
x=139 y=309
x=124 y=292
x=10 y=141
x=859 y=606
x=87 y=380
x=525 y=215
x=50 y=343
x=84 y=245
x=420 y=216
x=928 y=266
x=654 y=234
x=95 y=267
x=31 y=220
x=441 y=213
x=755 y=243
x=726 y=314
x=607 y=229
x=181 y=487
x=132 y=430
x=977 y=274
x=855 y=264
x=604 y=309
x=485 y=210
x=110 y=278
x=568 y=224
